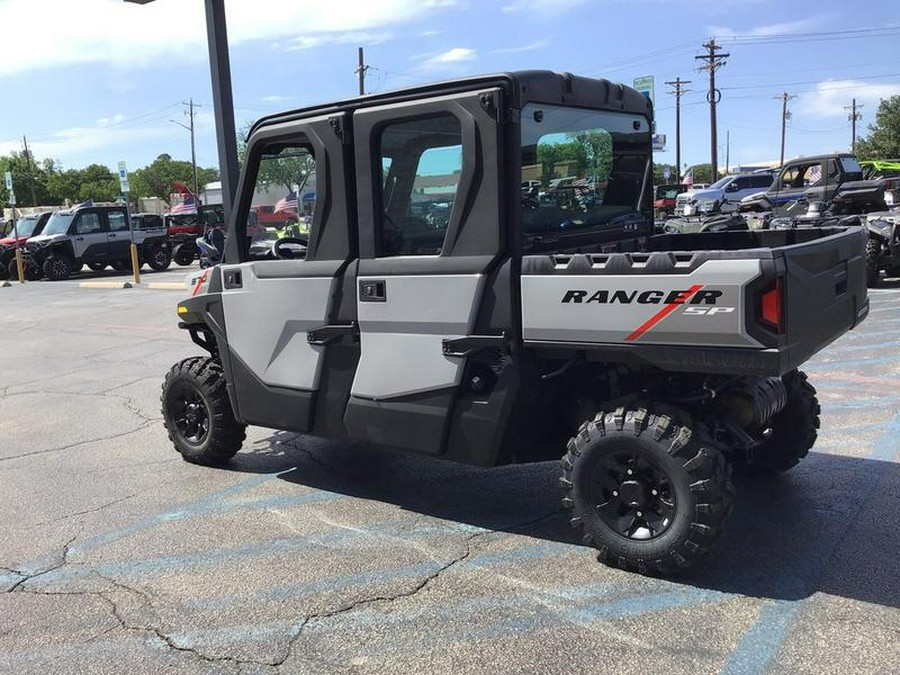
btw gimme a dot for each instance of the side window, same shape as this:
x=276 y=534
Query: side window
x=283 y=200
x=802 y=175
x=762 y=181
x=88 y=223
x=117 y=221
x=421 y=162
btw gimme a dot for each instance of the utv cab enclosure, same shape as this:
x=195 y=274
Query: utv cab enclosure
x=445 y=308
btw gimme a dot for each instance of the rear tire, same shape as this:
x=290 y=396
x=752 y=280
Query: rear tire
x=645 y=490
x=159 y=258
x=58 y=267
x=120 y=265
x=197 y=412
x=873 y=257
x=184 y=254
x=96 y=266
x=32 y=270
x=793 y=433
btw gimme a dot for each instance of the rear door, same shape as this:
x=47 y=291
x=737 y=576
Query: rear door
x=282 y=316
x=428 y=202
x=118 y=235
x=89 y=241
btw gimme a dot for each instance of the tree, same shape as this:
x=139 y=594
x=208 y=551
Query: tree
x=23 y=167
x=290 y=169
x=98 y=183
x=883 y=140
x=702 y=173
x=158 y=179
x=660 y=179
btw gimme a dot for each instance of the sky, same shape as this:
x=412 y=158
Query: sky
x=99 y=81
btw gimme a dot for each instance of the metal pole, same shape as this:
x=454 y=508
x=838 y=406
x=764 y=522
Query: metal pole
x=713 y=61
x=30 y=170
x=853 y=133
x=678 y=92
x=223 y=103
x=361 y=72
x=727 y=150
x=194 y=155
x=135 y=258
x=784 y=100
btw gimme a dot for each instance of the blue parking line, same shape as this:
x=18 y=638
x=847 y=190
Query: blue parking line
x=761 y=643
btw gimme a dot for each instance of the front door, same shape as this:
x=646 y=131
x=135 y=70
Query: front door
x=89 y=239
x=801 y=182
x=273 y=306
x=429 y=237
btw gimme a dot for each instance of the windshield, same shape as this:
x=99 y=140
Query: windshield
x=581 y=168
x=24 y=227
x=668 y=191
x=58 y=223
x=721 y=183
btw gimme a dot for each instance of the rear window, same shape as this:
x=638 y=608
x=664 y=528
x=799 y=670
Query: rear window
x=850 y=165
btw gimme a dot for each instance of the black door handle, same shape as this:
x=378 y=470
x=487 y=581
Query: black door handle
x=372 y=290
x=233 y=279
x=79 y=238
x=112 y=236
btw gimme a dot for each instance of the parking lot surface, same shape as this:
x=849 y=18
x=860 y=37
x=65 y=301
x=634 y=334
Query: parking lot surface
x=305 y=556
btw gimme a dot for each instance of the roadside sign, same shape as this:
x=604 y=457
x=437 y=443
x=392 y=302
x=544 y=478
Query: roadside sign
x=123 y=178
x=667 y=172
x=659 y=142
x=645 y=86
x=9 y=181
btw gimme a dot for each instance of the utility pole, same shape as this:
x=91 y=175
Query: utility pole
x=31 y=169
x=854 y=117
x=727 y=150
x=361 y=72
x=191 y=105
x=785 y=116
x=713 y=61
x=678 y=92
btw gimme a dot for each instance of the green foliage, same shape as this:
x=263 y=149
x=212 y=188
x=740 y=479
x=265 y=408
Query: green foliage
x=289 y=170
x=158 y=179
x=703 y=173
x=54 y=186
x=883 y=140
x=659 y=179
x=587 y=153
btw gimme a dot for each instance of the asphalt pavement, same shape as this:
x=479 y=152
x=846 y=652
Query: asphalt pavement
x=306 y=556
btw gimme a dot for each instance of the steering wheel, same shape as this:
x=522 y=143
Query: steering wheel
x=290 y=248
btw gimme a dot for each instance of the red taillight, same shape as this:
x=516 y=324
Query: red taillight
x=771 y=305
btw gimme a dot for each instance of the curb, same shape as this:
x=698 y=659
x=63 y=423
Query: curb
x=167 y=286
x=105 y=284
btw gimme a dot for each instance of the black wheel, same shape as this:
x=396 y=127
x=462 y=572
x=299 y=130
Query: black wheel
x=184 y=254
x=96 y=266
x=159 y=258
x=645 y=490
x=33 y=271
x=4 y=271
x=791 y=434
x=120 y=265
x=873 y=257
x=58 y=267
x=197 y=413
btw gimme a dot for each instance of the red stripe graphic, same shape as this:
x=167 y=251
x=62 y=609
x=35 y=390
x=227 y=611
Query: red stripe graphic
x=663 y=313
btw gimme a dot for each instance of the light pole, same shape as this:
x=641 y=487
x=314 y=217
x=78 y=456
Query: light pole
x=193 y=153
x=223 y=102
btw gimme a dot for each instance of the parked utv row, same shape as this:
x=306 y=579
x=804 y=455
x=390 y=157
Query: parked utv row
x=57 y=245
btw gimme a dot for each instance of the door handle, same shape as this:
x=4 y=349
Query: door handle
x=372 y=290
x=112 y=236
x=79 y=238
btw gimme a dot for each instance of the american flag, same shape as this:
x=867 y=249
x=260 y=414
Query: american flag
x=688 y=178
x=86 y=204
x=189 y=205
x=288 y=203
x=814 y=174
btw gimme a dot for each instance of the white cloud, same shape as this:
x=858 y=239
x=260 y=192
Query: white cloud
x=125 y=34
x=312 y=41
x=830 y=98
x=455 y=55
x=542 y=6
x=539 y=44
x=274 y=99
x=772 y=30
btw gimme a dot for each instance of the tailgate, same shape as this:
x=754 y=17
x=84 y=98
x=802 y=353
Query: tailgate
x=824 y=291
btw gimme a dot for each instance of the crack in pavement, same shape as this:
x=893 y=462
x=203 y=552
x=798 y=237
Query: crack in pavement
x=19 y=586
x=82 y=513
x=143 y=426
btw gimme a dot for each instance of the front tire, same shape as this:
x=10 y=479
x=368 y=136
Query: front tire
x=197 y=412
x=873 y=257
x=645 y=490
x=58 y=267
x=184 y=254
x=96 y=266
x=792 y=433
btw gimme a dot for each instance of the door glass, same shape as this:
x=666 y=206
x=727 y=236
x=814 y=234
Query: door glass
x=421 y=163
x=802 y=176
x=283 y=203
x=580 y=168
x=117 y=221
x=88 y=223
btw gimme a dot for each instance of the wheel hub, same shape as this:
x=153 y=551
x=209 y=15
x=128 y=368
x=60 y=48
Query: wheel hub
x=633 y=496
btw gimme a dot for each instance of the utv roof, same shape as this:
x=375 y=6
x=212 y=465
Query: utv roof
x=827 y=155
x=541 y=86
